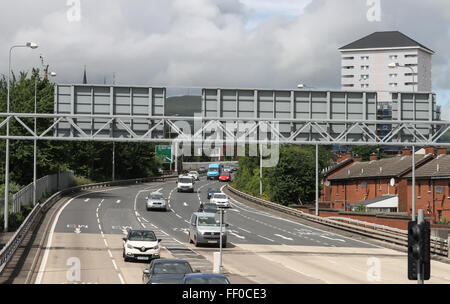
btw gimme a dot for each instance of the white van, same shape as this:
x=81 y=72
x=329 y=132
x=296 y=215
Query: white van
x=185 y=183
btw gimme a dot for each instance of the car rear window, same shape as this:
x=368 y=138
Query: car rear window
x=220 y=196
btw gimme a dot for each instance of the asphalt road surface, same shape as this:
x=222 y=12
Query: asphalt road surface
x=85 y=243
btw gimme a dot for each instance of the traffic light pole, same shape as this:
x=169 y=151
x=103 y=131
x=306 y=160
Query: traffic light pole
x=420 y=270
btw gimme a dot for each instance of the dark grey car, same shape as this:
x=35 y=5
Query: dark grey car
x=166 y=271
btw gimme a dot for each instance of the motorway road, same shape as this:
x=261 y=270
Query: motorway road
x=263 y=248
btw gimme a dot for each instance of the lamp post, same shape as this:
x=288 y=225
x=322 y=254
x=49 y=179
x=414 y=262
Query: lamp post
x=394 y=65
x=52 y=74
x=31 y=45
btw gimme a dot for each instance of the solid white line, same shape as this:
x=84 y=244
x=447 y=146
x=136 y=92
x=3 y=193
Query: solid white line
x=99 y=227
x=106 y=243
x=50 y=237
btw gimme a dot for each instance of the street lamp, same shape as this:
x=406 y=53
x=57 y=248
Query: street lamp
x=394 y=65
x=31 y=45
x=53 y=74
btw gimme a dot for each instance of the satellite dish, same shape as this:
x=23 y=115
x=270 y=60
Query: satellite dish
x=392 y=182
x=327 y=183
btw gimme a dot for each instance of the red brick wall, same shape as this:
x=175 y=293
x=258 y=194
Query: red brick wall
x=327 y=192
x=400 y=223
x=435 y=204
x=354 y=192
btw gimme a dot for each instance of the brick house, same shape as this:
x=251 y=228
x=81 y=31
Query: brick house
x=358 y=181
x=432 y=188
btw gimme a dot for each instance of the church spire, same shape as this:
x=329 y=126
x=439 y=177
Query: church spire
x=84 y=76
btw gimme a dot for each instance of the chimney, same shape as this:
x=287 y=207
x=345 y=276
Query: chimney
x=429 y=150
x=406 y=152
x=373 y=156
x=357 y=158
x=442 y=151
x=344 y=157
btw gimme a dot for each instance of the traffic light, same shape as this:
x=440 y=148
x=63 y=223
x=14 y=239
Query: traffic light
x=419 y=250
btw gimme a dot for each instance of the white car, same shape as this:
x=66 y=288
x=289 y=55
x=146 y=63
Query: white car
x=185 y=184
x=194 y=174
x=221 y=200
x=141 y=245
x=227 y=169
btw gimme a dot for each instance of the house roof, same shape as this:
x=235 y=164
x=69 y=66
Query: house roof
x=384 y=168
x=338 y=166
x=392 y=39
x=437 y=168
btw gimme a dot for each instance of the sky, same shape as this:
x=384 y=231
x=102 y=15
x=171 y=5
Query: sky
x=214 y=43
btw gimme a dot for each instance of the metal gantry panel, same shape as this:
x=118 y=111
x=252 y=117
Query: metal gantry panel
x=108 y=100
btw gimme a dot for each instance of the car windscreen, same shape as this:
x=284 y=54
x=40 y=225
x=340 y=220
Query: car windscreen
x=220 y=196
x=207 y=280
x=225 y=174
x=213 y=169
x=208 y=221
x=142 y=236
x=172 y=268
x=156 y=196
x=193 y=172
x=210 y=207
x=185 y=180
x=213 y=190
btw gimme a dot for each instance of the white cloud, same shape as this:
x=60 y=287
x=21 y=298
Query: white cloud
x=207 y=42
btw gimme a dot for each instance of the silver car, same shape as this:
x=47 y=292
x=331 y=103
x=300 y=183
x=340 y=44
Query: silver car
x=205 y=229
x=156 y=201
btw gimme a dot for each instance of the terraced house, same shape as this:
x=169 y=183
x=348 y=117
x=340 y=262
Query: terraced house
x=386 y=185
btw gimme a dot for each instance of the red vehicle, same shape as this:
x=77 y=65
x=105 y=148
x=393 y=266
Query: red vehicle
x=225 y=177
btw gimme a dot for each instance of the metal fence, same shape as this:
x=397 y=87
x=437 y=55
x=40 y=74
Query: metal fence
x=44 y=186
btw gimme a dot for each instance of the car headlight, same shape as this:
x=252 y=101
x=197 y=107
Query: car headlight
x=223 y=233
x=129 y=246
x=156 y=247
x=202 y=233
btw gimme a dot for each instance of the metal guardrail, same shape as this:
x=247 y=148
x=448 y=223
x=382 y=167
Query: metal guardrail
x=392 y=235
x=10 y=248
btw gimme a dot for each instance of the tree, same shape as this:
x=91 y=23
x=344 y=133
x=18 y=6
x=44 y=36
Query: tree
x=365 y=151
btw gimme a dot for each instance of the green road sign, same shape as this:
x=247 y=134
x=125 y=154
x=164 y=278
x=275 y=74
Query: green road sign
x=164 y=153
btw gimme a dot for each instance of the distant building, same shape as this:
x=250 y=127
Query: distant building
x=365 y=65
